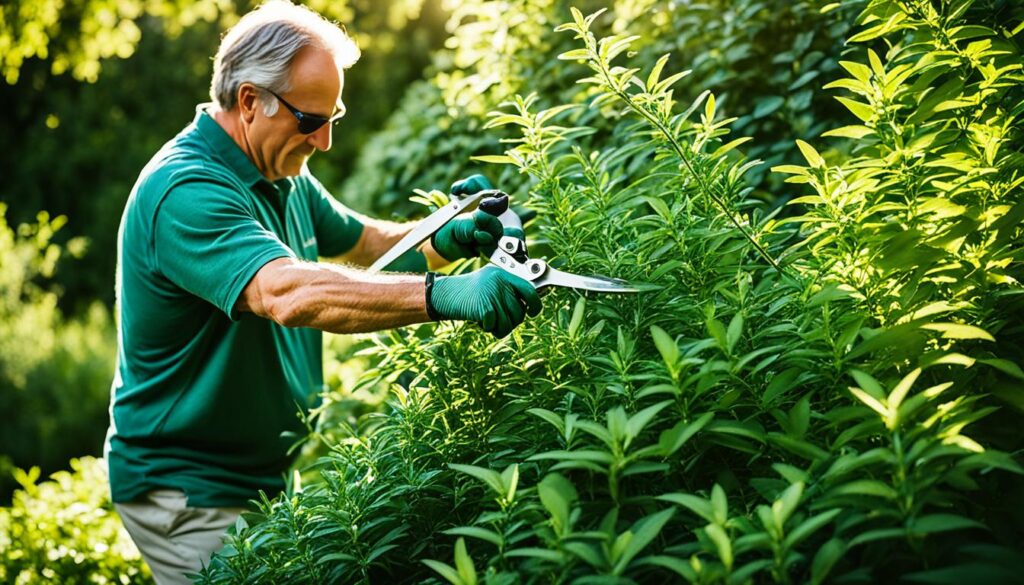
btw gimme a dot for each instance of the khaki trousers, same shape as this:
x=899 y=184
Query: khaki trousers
x=175 y=539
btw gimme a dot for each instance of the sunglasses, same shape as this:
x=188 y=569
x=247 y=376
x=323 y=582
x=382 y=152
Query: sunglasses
x=309 y=123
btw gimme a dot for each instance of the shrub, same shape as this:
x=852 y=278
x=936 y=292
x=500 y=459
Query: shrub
x=763 y=60
x=819 y=398
x=66 y=531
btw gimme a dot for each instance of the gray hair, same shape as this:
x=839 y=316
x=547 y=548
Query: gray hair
x=261 y=47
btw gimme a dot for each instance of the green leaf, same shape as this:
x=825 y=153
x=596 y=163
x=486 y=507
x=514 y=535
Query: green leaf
x=557 y=495
x=577 y=317
x=488 y=476
x=545 y=115
x=809 y=527
x=695 y=504
x=666 y=83
x=464 y=564
x=994 y=459
x=856 y=132
x=655 y=75
x=679 y=566
x=477 y=532
x=599 y=431
x=719 y=504
x=785 y=505
x=722 y=543
x=959 y=331
x=638 y=421
x=617 y=421
x=1005 y=366
x=510 y=480
x=619 y=546
x=868 y=384
x=860 y=71
x=735 y=331
x=498 y=159
x=721 y=150
x=537 y=553
x=880 y=534
x=870 y=401
x=813 y=158
x=861 y=110
x=800 y=417
x=900 y=391
x=554 y=419
x=825 y=559
x=660 y=207
x=503 y=120
x=643 y=532
x=674 y=438
x=591 y=455
x=799 y=447
x=446 y=571
x=750 y=429
x=933 y=523
x=666 y=347
x=575 y=55
x=709 y=108
x=717 y=331
x=865 y=487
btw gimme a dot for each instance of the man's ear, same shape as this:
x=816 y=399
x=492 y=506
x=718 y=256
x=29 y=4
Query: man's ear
x=248 y=101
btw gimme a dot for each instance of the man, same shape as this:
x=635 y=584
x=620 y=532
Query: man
x=221 y=300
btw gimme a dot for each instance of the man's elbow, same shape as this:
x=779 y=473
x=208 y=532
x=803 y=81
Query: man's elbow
x=275 y=293
x=288 y=310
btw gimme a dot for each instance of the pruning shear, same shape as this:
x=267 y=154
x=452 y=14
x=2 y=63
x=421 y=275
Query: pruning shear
x=510 y=254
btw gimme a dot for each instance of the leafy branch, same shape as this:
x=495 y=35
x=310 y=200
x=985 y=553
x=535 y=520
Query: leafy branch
x=653 y=103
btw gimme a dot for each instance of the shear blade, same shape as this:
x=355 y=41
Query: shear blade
x=554 y=277
x=425 y=229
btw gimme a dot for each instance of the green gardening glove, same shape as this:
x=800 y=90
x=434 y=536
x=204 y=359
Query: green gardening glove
x=495 y=299
x=467 y=237
x=471 y=185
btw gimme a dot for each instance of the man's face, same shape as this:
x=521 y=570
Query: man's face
x=277 y=147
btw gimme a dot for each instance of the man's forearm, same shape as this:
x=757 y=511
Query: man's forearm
x=379 y=236
x=334 y=298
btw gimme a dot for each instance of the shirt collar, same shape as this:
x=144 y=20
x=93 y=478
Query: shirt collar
x=224 y=148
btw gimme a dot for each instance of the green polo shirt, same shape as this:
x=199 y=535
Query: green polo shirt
x=202 y=393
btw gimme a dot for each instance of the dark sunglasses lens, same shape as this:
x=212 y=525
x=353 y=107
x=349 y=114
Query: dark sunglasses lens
x=310 y=124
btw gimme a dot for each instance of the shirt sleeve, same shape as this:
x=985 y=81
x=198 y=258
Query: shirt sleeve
x=207 y=241
x=337 y=227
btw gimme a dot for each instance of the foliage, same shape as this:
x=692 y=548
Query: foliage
x=66 y=531
x=826 y=397
x=759 y=57
x=54 y=372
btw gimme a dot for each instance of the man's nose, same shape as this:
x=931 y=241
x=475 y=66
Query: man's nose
x=321 y=139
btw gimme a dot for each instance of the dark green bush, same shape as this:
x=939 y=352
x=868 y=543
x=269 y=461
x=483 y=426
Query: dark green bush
x=828 y=397
x=66 y=531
